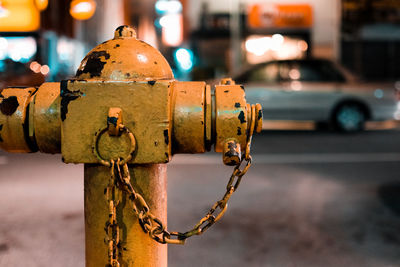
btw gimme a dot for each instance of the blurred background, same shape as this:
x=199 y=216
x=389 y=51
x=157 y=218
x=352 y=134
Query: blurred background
x=324 y=189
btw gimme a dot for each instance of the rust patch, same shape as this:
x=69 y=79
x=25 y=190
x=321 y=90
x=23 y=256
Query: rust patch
x=226 y=91
x=120 y=29
x=112 y=120
x=166 y=137
x=241 y=117
x=237 y=105
x=9 y=105
x=151 y=82
x=239 y=131
x=231 y=149
x=93 y=64
x=155 y=63
x=66 y=97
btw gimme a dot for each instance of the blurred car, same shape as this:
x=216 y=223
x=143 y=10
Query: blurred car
x=317 y=90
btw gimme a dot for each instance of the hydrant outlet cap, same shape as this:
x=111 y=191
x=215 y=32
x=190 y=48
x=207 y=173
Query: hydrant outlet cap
x=124 y=58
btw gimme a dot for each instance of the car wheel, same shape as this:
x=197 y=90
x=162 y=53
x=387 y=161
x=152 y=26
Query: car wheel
x=349 y=117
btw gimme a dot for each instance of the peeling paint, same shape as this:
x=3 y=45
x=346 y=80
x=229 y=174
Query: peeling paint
x=66 y=97
x=9 y=105
x=120 y=29
x=241 y=117
x=112 y=120
x=93 y=63
x=166 y=136
x=232 y=149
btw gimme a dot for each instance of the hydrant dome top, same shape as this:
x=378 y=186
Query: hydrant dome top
x=124 y=58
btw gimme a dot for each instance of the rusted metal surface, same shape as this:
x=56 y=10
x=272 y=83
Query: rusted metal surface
x=188 y=115
x=114 y=121
x=208 y=118
x=231 y=155
x=230 y=115
x=124 y=58
x=136 y=248
x=146 y=113
x=13 y=120
x=259 y=118
x=45 y=123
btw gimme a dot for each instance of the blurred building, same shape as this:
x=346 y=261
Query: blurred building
x=40 y=39
x=228 y=35
x=370 y=42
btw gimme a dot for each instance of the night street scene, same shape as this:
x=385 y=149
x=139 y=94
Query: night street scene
x=200 y=133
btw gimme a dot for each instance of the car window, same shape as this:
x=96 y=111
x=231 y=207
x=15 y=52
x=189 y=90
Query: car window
x=311 y=71
x=264 y=73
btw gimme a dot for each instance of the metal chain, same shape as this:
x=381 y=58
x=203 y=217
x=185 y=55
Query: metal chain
x=112 y=227
x=151 y=224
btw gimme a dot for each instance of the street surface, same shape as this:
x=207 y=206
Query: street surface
x=310 y=199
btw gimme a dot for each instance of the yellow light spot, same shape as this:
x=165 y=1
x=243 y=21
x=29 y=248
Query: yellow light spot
x=41 y=4
x=82 y=9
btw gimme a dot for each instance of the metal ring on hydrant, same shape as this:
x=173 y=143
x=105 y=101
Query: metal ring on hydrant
x=124 y=160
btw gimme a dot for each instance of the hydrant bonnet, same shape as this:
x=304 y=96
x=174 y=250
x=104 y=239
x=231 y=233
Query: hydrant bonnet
x=124 y=58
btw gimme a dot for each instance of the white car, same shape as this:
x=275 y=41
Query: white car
x=317 y=90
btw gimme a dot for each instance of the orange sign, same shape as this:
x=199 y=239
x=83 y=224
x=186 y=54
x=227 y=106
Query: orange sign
x=18 y=16
x=280 y=16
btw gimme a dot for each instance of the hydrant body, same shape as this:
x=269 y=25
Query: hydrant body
x=124 y=107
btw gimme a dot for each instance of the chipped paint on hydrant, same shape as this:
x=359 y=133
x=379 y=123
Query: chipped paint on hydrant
x=125 y=105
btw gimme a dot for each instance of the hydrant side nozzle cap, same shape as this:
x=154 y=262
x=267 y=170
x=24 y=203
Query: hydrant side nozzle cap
x=124 y=31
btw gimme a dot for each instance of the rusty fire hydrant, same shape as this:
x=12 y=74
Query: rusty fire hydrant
x=124 y=116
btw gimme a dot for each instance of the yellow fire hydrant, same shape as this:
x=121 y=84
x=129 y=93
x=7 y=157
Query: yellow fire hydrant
x=124 y=116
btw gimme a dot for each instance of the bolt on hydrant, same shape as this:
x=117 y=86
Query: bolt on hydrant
x=124 y=116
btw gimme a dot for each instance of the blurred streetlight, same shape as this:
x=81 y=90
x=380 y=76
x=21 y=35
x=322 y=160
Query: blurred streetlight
x=3 y=11
x=41 y=4
x=82 y=9
x=171 y=21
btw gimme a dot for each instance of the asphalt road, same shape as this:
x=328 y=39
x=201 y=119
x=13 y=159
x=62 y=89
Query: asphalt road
x=311 y=199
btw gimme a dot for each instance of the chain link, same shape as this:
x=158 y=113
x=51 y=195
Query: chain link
x=120 y=179
x=112 y=227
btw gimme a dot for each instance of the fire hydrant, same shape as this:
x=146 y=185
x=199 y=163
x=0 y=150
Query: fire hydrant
x=124 y=116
